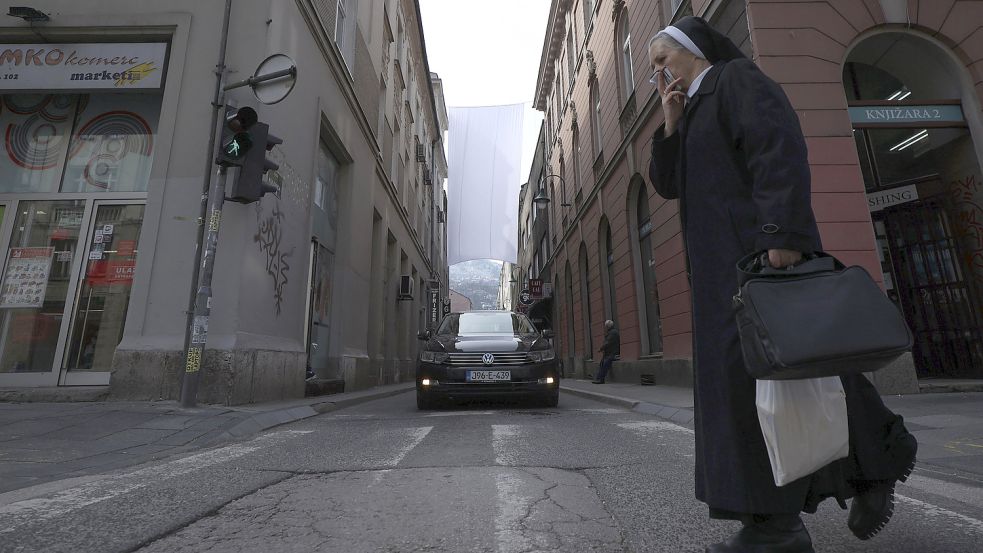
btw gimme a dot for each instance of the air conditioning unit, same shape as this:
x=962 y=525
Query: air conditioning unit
x=427 y=177
x=421 y=154
x=405 y=287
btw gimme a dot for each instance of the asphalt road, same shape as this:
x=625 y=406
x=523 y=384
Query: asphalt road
x=497 y=478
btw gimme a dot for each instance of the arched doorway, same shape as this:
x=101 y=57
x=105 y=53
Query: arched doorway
x=924 y=190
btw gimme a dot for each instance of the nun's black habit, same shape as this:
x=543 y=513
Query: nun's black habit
x=738 y=164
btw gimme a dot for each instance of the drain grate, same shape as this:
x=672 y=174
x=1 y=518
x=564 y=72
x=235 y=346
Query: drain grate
x=648 y=379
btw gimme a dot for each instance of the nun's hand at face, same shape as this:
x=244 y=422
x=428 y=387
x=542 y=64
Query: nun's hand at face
x=673 y=101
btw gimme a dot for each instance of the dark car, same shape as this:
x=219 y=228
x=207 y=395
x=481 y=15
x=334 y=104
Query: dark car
x=487 y=354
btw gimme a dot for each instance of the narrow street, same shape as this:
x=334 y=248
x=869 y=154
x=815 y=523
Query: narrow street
x=485 y=477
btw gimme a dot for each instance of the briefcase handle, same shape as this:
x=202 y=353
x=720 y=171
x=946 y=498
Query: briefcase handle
x=755 y=265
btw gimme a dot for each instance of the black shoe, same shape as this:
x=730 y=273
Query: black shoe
x=780 y=534
x=597 y=382
x=871 y=511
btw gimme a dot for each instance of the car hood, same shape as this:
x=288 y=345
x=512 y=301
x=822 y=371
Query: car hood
x=486 y=343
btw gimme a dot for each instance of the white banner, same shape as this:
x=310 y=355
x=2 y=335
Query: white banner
x=484 y=182
x=118 y=66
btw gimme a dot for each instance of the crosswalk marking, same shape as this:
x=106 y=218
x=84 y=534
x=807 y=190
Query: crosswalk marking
x=504 y=440
x=652 y=427
x=512 y=506
x=935 y=512
x=416 y=436
x=38 y=509
x=459 y=413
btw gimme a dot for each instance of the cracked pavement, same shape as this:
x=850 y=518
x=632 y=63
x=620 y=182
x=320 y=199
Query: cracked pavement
x=486 y=509
x=495 y=478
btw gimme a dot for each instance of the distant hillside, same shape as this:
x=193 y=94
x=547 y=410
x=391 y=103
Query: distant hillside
x=478 y=280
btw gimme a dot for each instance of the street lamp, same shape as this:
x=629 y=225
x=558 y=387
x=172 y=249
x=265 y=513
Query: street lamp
x=542 y=191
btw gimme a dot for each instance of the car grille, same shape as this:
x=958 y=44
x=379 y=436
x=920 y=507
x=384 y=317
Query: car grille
x=475 y=359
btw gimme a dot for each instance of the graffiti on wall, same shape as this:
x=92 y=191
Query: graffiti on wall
x=966 y=194
x=269 y=237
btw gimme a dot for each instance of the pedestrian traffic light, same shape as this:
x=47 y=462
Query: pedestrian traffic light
x=236 y=141
x=249 y=185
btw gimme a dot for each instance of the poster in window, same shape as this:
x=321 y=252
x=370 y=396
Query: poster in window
x=26 y=278
x=112 y=149
x=36 y=130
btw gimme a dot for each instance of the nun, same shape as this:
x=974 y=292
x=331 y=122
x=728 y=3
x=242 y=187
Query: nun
x=732 y=152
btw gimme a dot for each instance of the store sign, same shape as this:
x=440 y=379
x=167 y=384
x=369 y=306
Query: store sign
x=26 y=279
x=435 y=307
x=893 y=115
x=877 y=201
x=116 y=66
x=536 y=287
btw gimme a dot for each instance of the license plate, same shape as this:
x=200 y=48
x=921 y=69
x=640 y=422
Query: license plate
x=489 y=376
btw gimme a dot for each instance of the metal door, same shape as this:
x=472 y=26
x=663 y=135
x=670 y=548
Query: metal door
x=935 y=290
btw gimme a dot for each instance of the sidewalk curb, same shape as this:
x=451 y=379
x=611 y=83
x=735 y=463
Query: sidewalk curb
x=264 y=421
x=677 y=415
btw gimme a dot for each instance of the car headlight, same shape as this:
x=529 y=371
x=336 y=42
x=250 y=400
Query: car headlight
x=435 y=357
x=542 y=355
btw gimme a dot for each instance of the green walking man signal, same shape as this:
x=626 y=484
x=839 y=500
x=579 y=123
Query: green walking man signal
x=236 y=147
x=235 y=136
x=241 y=132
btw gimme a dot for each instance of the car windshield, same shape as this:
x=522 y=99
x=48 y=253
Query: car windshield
x=486 y=323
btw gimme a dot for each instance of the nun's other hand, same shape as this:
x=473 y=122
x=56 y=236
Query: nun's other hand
x=673 y=102
x=781 y=259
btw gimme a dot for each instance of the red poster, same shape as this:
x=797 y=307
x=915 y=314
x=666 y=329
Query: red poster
x=104 y=273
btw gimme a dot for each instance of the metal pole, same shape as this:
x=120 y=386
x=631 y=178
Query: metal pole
x=290 y=72
x=203 y=299
x=218 y=103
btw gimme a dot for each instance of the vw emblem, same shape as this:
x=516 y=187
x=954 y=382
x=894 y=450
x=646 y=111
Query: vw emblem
x=488 y=359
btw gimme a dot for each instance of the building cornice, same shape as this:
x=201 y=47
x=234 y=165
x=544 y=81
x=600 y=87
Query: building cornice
x=555 y=33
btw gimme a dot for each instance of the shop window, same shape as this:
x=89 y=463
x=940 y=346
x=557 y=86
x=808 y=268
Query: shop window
x=571 y=336
x=606 y=251
x=585 y=302
x=643 y=233
x=77 y=142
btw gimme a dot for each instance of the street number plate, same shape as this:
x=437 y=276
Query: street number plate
x=489 y=376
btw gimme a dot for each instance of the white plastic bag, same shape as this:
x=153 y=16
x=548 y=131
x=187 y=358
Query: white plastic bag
x=804 y=425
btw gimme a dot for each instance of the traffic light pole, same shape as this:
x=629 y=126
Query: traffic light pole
x=203 y=299
x=189 y=383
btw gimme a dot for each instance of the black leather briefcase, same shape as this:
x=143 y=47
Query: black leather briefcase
x=815 y=319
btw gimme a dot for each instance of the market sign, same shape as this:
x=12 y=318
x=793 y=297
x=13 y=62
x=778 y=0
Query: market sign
x=115 y=66
x=893 y=115
x=877 y=201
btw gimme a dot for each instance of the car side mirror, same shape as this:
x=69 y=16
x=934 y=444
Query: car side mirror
x=547 y=333
x=423 y=335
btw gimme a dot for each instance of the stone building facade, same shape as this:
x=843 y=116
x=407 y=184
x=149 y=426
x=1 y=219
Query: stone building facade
x=100 y=198
x=888 y=94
